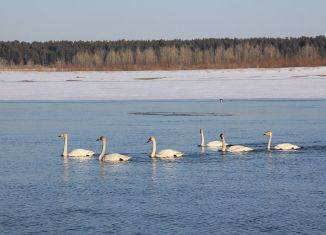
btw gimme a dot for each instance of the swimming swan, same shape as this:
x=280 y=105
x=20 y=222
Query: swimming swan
x=284 y=146
x=213 y=144
x=165 y=153
x=75 y=152
x=234 y=148
x=112 y=157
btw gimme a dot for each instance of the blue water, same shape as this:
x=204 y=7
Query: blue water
x=205 y=192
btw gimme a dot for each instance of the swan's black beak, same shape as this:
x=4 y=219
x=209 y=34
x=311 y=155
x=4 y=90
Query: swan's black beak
x=148 y=141
x=98 y=139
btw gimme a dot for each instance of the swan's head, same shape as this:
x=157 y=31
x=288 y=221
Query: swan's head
x=201 y=131
x=222 y=136
x=101 y=138
x=63 y=135
x=151 y=139
x=268 y=133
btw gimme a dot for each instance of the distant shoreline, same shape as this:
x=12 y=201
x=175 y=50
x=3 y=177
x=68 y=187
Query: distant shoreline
x=52 y=69
x=153 y=55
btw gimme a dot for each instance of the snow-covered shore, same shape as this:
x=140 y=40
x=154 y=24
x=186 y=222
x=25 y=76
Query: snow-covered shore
x=285 y=83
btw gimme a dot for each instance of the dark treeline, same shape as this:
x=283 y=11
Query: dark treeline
x=164 y=54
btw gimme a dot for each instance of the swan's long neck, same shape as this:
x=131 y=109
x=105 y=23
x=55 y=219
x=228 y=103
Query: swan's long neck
x=202 y=138
x=223 y=145
x=65 y=147
x=153 y=148
x=269 y=143
x=100 y=158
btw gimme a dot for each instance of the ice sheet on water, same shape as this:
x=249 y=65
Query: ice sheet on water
x=285 y=83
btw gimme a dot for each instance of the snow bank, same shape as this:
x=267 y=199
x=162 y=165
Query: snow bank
x=285 y=83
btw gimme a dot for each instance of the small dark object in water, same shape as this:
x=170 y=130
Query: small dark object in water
x=149 y=78
x=185 y=114
x=73 y=80
x=26 y=81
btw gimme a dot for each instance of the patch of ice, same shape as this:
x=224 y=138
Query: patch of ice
x=285 y=83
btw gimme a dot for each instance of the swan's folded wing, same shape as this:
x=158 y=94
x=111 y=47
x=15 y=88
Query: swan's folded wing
x=169 y=153
x=116 y=157
x=286 y=146
x=214 y=144
x=81 y=153
x=239 y=148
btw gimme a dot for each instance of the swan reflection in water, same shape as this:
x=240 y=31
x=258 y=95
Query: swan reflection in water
x=65 y=169
x=103 y=171
x=166 y=168
x=81 y=163
x=107 y=168
x=154 y=169
x=269 y=161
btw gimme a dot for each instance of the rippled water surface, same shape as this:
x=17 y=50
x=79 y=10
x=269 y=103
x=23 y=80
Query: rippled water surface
x=205 y=192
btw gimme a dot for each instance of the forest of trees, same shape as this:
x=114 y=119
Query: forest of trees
x=164 y=54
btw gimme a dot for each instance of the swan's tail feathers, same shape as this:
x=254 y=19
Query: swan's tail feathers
x=90 y=153
x=179 y=154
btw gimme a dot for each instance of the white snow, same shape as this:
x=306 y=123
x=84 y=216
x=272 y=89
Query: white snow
x=285 y=83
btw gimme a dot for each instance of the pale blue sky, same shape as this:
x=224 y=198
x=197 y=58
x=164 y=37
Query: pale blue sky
x=40 y=20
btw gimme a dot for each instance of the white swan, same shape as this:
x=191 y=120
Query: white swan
x=165 y=153
x=284 y=146
x=112 y=157
x=75 y=152
x=234 y=148
x=213 y=144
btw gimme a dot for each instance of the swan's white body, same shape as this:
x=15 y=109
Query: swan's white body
x=239 y=149
x=216 y=144
x=212 y=144
x=81 y=153
x=234 y=148
x=112 y=157
x=284 y=146
x=115 y=157
x=164 y=153
x=168 y=153
x=75 y=152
